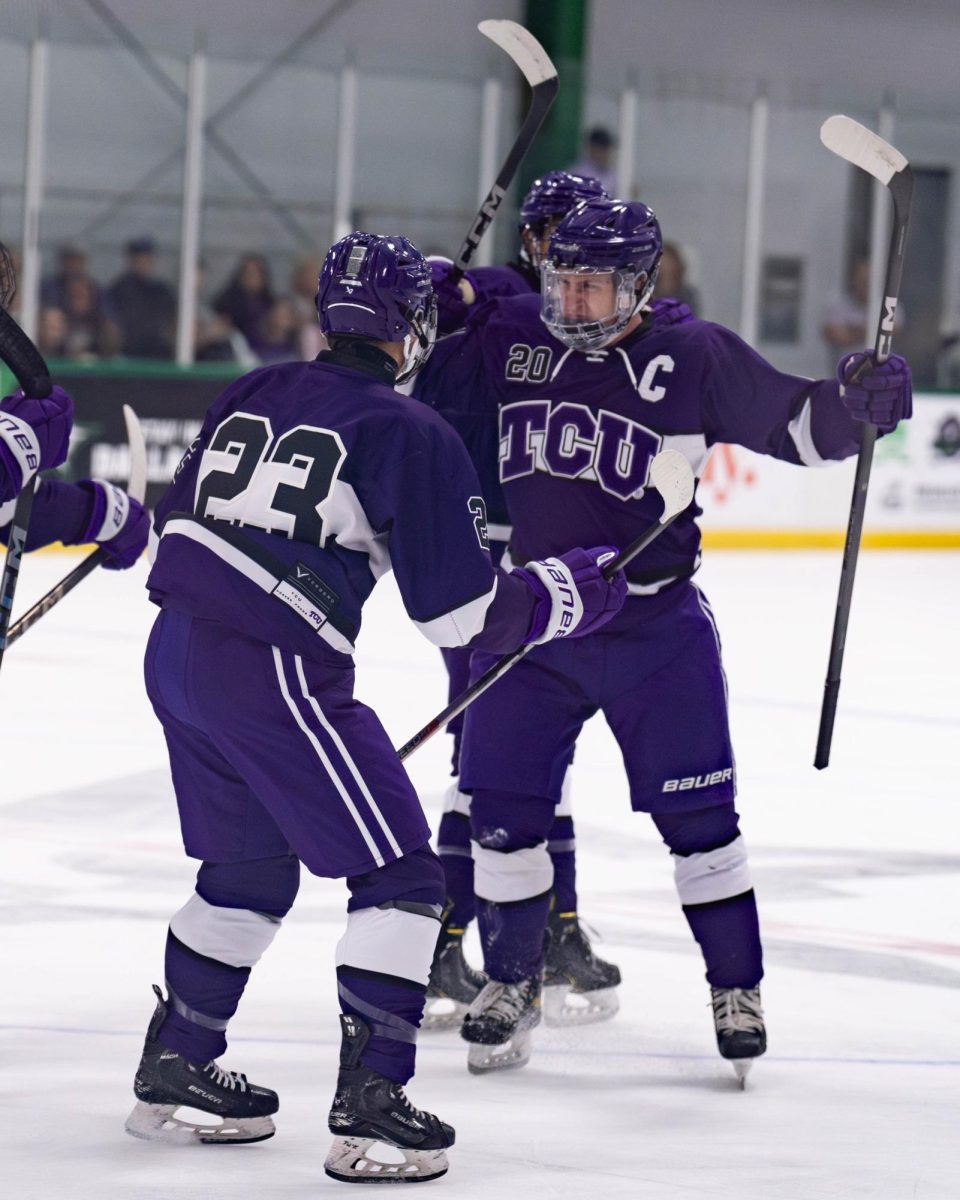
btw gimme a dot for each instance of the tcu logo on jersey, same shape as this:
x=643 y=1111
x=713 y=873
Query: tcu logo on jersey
x=574 y=442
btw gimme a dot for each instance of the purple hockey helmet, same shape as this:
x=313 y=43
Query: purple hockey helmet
x=547 y=202
x=600 y=239
x=379 y=288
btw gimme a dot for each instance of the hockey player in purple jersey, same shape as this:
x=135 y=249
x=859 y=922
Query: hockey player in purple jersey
x=579 y=390
x=581 y=986
x=308 y=482
x=34 y=436
x=571 y=961
x=546 y=203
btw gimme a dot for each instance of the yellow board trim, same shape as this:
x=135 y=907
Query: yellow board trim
x=829 y=539
x=762 y=539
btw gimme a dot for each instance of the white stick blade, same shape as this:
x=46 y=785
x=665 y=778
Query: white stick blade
x=137 y=480
x=522 y=47
x=862 y=147
x=672 y=476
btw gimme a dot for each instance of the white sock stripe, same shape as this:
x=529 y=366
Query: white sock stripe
x=235 y=936
x=345 y=755
x=713 y=874
x=391 y=941
x=516 y=875
x=325 y=762
x=456 y=801
x=565 y=807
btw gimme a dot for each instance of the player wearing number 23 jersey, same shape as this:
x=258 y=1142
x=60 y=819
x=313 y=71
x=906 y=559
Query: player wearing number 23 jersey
x=307 y=483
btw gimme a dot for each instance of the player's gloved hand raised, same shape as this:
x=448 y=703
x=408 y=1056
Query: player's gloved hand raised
x=34 y=436
x=575 y=598
x=882 y=395
x=453 y=297
x=118 y=524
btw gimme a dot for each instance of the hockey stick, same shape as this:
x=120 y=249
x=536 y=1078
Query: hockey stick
x=541 y=74
x=862 y=147
x=25 y=361
x=136 y=487
x=672 y=476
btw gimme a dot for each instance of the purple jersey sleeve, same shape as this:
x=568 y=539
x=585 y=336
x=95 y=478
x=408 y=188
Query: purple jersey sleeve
x=749 y=402
x=61 y=513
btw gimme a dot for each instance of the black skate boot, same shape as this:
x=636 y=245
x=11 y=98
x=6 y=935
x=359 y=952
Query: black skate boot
x=166 y=1081
x=498 y=1023
x=369 y=1108
x=453 y=986
x=741 y=1033
x=579 y=986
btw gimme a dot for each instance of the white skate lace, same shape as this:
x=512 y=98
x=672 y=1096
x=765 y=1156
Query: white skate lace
x=737 y=1010
x=505 y=1000
x=225 y=1079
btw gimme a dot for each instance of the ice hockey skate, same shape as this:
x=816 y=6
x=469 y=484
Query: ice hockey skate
x=741 y=1033
x=579 y=987
x=166 y=1081
x=499 y=1024
x=453 y=986
x=368 y=1109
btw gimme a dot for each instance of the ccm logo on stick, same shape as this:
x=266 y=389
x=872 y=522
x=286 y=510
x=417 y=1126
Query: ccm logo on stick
x=697 y=781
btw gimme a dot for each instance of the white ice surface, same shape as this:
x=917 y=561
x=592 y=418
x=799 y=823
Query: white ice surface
x=856 y=870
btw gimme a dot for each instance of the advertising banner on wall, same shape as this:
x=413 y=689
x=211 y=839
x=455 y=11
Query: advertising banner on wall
x=914 y=495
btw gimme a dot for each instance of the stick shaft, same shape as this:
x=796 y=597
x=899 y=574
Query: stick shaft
x=503 y=665
x=902 y=190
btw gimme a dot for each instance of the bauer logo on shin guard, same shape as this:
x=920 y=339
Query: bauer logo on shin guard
x=691 y=782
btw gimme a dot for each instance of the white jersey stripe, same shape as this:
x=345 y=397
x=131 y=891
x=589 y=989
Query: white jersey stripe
x=325 y=761
x=345 y=754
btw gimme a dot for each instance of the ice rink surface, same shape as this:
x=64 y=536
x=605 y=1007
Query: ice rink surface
x=856 y=869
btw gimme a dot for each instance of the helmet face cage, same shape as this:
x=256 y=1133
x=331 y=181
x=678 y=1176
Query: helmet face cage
x=418 y=343
x=630 y=291
x=616 y=239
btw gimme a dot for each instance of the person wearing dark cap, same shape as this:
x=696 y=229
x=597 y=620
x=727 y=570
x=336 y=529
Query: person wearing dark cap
x=142 y=306
x=598 y=146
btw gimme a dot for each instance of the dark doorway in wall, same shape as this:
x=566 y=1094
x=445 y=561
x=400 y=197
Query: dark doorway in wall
x=922 y=289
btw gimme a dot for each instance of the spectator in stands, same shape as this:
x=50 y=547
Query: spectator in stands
x=215 y=338
x=597 y=158
x=248 y=295
x=672 y=279
x=52 y=332
x=303 y=291
x=71 y=265
x=277 y=335
x=143 y=307
x=90 y=332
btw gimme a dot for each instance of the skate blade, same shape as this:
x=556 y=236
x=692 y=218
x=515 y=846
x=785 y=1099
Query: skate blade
x=741 y=1068
x=439 y=1016
x=350 y=1161
x=563 y=1006
x=508 y=1056
x=157 y=1123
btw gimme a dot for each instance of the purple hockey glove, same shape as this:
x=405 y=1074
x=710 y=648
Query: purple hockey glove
x=575 y=597
x=883 y=395
x=452 y=308
x=667 y=311
x=34 y=436
x=118 y=524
